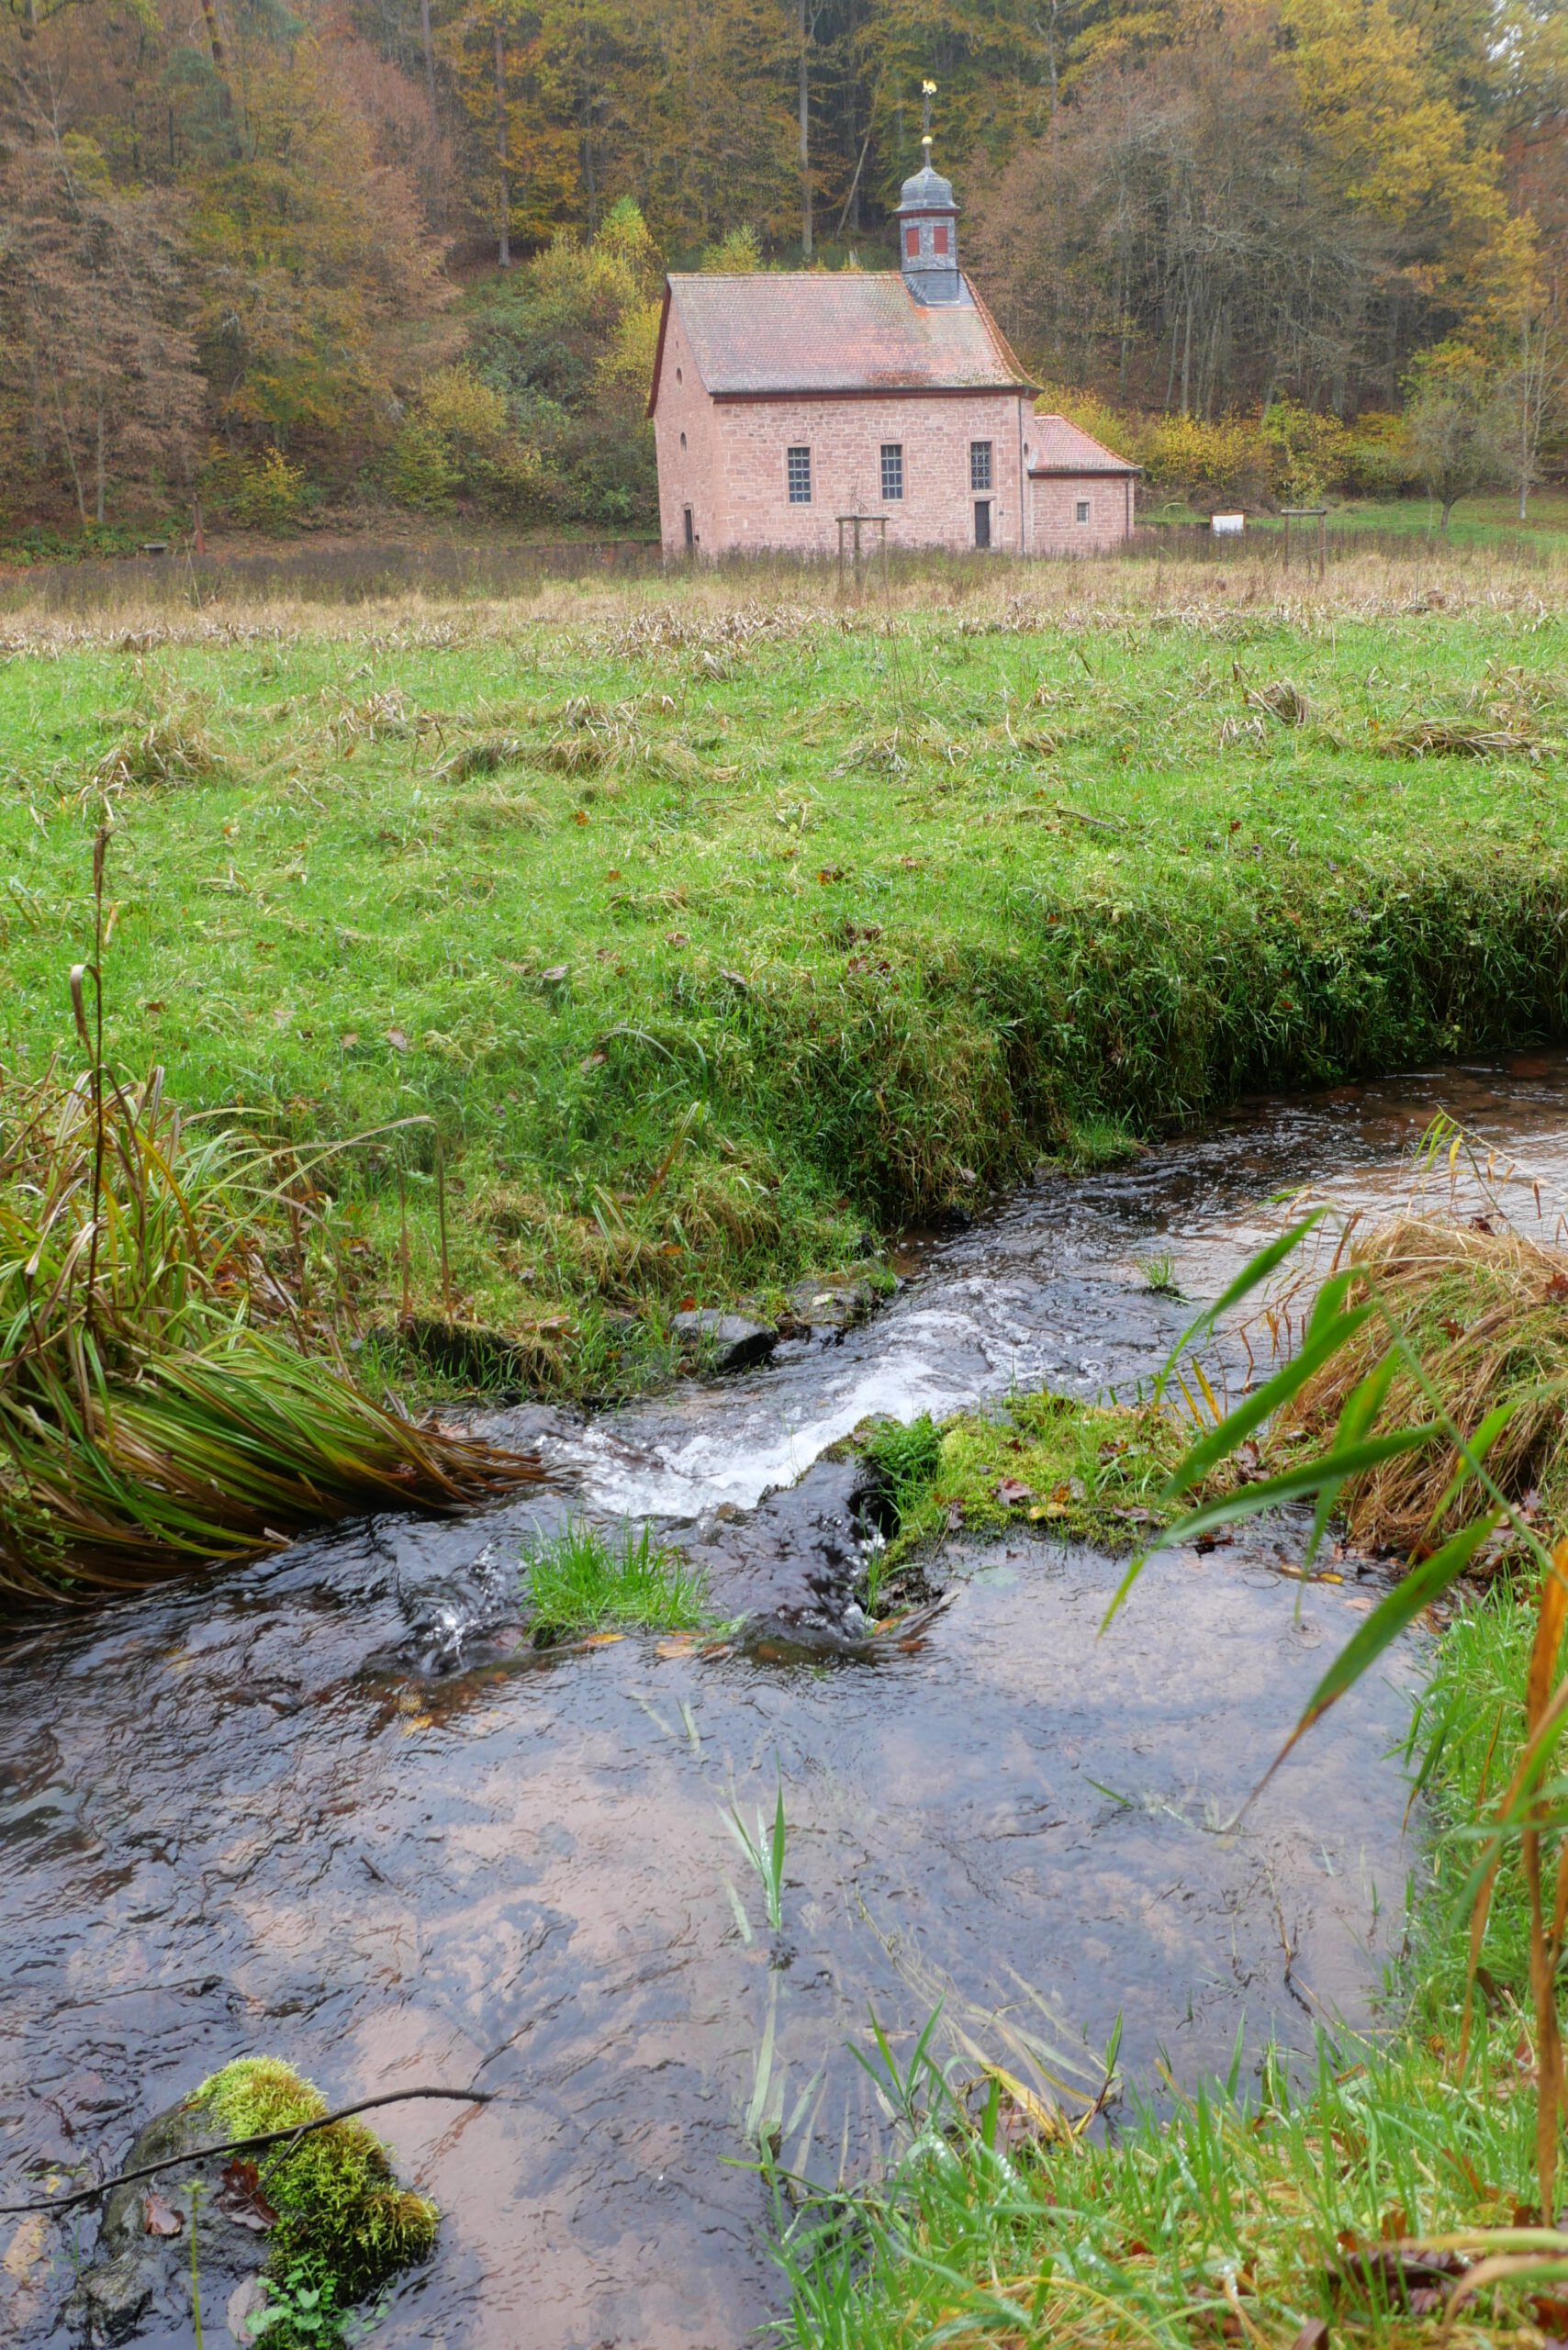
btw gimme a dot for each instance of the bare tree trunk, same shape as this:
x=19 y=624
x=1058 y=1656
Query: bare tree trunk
x=804 y=101
x=69 y=452
x=429 y=47
x=214 y=40
x=501 y=163
x=99 y=461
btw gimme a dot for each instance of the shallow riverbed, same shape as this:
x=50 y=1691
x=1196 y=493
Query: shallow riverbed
x=314 y=1809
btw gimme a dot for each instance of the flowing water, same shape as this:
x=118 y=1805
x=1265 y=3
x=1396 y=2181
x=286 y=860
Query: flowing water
x=330 y=1808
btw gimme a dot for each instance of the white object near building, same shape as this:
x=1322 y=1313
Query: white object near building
x=1228 y=526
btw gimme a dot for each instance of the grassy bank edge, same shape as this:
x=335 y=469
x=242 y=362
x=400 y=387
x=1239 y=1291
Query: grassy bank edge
x=1255 y=2206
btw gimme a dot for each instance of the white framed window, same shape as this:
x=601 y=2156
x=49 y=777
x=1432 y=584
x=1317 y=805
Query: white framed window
x=798 y=471
x=980 y=464
x=892 y=469
x=1083 y=510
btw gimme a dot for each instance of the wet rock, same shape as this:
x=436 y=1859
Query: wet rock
x=802 y=1550
x=725 y=1341
x=825 y=1307
x=139 y=2285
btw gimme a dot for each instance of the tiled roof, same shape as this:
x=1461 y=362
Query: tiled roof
x=844 y=331
x=1057 y=447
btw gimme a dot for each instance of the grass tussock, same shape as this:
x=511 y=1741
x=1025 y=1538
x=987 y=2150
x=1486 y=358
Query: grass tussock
x=1484 y=1312
x=490 y=756
x=156 y=1410
x=584 y=1580
x=341 y=2218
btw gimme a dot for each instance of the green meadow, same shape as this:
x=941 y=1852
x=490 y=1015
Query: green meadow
x=709 y=930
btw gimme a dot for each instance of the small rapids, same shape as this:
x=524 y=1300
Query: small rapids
x=335 y=1808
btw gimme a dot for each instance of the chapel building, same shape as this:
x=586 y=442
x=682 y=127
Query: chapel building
x=784 y=400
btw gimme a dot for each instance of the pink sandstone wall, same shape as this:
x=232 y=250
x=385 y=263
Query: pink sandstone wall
x=686 y=444
x=732 y=471
x=1054 y=525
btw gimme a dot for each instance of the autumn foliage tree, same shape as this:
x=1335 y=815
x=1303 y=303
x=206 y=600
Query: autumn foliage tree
x=297 y=237
x=95 y=336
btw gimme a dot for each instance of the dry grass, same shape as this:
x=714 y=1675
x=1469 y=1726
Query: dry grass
x=1485 y=1313
x=173 y=747
x=731 y=611
x=1456 y=738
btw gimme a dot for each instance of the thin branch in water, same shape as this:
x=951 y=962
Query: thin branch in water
x=294 y=2130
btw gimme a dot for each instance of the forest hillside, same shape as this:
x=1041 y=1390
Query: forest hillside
x=277 y=265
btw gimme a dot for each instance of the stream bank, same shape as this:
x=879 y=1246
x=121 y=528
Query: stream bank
x=319 y=1806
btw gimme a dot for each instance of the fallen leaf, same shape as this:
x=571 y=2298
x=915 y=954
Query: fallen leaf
x=1314 y=2335
x=397 y=1040
x=676 y=938
x=614 y=874
x=1011 y=1491
x=241 y=2196
x=579 y=816
x=601 y=1639
x=1395 y=2274
x=159 y=2218
x=349 y=1040
x=555 y=974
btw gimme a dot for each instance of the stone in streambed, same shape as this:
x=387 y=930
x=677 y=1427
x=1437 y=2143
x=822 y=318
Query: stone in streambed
x=140 y=2280
x=725 y=1341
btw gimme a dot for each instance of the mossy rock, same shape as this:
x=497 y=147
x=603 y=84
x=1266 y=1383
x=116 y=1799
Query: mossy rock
x=340 y=2208
x=326 y=2213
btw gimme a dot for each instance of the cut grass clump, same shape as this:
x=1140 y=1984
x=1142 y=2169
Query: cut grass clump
x=1485 y=1314
x=172 y=748
x=157 y=1411
x=583 y=1580
x=342 y=2219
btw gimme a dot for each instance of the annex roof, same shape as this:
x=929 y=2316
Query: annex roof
x=1060 y=447
x=771 y=333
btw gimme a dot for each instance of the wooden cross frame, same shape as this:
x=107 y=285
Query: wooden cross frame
x=855 y=524
x=1318 y=514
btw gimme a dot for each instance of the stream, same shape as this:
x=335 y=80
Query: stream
x=328 y=1808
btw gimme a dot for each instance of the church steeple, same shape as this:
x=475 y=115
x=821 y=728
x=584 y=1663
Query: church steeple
x=928 y=227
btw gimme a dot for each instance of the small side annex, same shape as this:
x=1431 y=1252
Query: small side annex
x=782 y=400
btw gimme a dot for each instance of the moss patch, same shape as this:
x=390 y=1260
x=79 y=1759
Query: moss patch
x=341 y=2216
x=1093 y=1472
